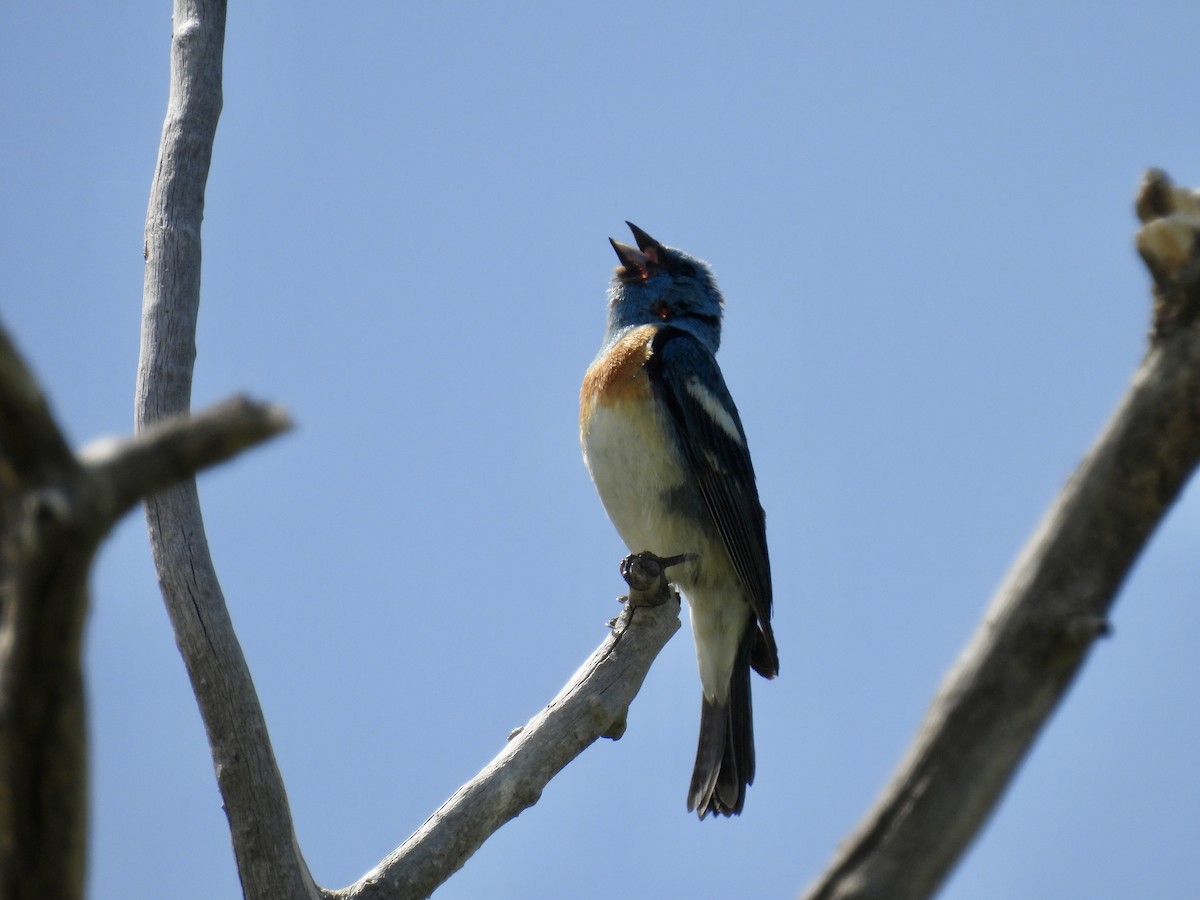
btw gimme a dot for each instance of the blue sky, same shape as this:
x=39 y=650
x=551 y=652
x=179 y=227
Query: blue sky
x=922 y=220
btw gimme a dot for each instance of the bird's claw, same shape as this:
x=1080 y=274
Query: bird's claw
x=646 y=575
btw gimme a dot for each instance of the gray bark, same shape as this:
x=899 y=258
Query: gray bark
x=268 y=859
x=1054 y=602
x=593 y=704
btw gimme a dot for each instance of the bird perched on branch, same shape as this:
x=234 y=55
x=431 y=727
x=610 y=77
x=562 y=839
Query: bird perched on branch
x=665 y=447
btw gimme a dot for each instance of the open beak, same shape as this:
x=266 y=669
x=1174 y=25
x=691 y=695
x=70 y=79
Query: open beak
x=646 y=244
x=637 y=262
x=634 y=261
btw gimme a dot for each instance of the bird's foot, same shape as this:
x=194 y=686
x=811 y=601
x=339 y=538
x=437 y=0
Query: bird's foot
x=646 y=575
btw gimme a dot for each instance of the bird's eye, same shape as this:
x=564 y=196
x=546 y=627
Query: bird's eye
x=662 y=310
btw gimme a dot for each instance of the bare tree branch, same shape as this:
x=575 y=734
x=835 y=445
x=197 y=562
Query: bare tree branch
x=269 y=861
x=43 y=599
x=173 y=449
x=54 y=510
x=30 y=440
x=268 y=858
x=1053 y=603
x=593 y=704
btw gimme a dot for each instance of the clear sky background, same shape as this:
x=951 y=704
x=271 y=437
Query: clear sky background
x=921 y=215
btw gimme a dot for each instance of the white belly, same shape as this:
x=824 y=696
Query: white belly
x=636 y=472
x=634 y=469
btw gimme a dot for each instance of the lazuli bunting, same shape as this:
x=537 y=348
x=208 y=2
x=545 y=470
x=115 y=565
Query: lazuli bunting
x=666 y=449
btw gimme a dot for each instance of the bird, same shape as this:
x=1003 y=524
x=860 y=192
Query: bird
x=665 y=447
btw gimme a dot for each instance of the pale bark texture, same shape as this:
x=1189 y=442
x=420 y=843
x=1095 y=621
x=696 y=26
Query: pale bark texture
x=593 y=704
x=269 y=862
x=1054 y=602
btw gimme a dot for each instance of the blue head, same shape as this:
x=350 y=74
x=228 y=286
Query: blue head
x=655 y=283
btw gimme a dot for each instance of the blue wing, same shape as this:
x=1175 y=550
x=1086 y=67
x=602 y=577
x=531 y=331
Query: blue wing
x=688 y=381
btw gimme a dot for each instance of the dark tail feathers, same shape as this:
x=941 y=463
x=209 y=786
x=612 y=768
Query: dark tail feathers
x=725 y=755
